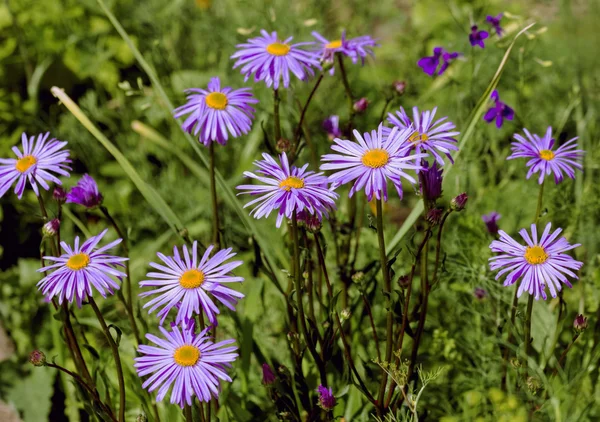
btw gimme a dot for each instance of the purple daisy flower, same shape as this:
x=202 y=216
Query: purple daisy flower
x=192 y=364
x=430 y=64
x=85 y=193
x=217 y=112
x=35 y=164
x=431 y=181
x=495 y=22
x=187 y=282
x=270 y=59
x=543 y=159
x=372 y=160
x=538 y=263
x=491 y=222
x=326 y=398
x=499 y=111
x=436 y=138
x=287 y=189
x=81 y=268
x=476 y=36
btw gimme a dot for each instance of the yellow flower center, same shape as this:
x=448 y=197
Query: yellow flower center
x=278 y=49
x=291 y=182
x=78 y=261
x=24 y=163
x=191 y=279
x=334 y=44
x=375 y=158
x=546 y=154
x=186 y=355
x=216 y=100
x=535 y=255
x=417 y=137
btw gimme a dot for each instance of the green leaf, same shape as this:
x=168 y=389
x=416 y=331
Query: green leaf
x=36 y=388
x=118 y=331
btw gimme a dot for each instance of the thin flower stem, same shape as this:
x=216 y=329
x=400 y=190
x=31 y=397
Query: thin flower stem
x=349 y=95
x=93 y=392
x=538 y=210
x=564 y=353
x=305 y=108
x=276 y=121
x=345 y=343
x=42 y=207
x=510 y=328
x=385 y=107
x=387 y=291
x=127 y=282
x=187 y=410
x=213 y=197
x=115 y=351
x=372 y=321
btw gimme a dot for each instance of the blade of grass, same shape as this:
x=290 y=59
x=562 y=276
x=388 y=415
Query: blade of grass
x=153 y=198
x=66 y=211
x=225 y=192
x=473 y=119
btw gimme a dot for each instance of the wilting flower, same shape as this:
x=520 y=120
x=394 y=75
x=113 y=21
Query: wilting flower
x=458 y=202
x=491 y=222
x=428 y=136
x=332 y=127
x=354 y=48
x=495 y=22
x=216 y=113
x=361 y=105
x=51 y=227
x=270 y=59
x=430 y=64
x=580 y=324
x=288 y=189
x=86 y=193
x=372 y=160
x=326 y=398
x=268 y=375
x=543 y=159
x=431 y=181
x=476 y=36
x=539 y=263
x=81 y=268
x=192 y=364
x=35 y=164
x=499 y=111
x=188 y=282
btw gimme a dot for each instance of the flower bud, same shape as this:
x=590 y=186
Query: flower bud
x=358 y=276
x=59 y=194
x=434 y=216
x=51 y=227
x=399 y=87
x=345 y=314
x=311 y=222
x=458 y=203
x=141 y=418
x=403 y=281
x=326 y=398
x=283 y=145
x=580 y=324
x=534 y=384
x=268 y=375
x=37 y=358
x=431 y=181
x=361 y=105
x=480 y=293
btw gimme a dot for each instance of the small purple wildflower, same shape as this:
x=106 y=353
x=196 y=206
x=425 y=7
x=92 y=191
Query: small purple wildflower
x=85 y=193
x=354 y=48
x=430 y=64
x=217 y=113
x=476 y=36
x=491 y=222
x=332 y=127
x=541 y=263
x=326 y=398
x=499 y=111
x=431 y=181
x=270 y=59
x=580 y=324
x=543 y=159
x=495 y=22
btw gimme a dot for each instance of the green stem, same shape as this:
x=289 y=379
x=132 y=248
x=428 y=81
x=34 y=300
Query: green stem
x=510 y=328
x=187 y=410
x=115 y=352
x=349 y=95
x=276 y=121
x=387 y=291
x=303 y=113
x=538 y=210
x=213 y=196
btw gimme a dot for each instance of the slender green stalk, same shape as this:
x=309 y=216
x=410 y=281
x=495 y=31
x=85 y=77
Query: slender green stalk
x=564 y=353
x=276 y=121
x=187 y=410
x=305 y=108
x=115 y=351
x=387 y=291
x=213 y=197
x=510 y=328
x=349 y=96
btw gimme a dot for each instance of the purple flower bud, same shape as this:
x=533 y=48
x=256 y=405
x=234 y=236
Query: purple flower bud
x=491 y=222
x=51 y=227
x=85 y=193
x=480 y=293
x=399 y=87
x=580 y=324
x=361 y=105
x=434 y=216
x=332 y=127
x=326 y=398
x=458 y=203
x=59 y=194
x=268 y=375
x=431 y=181
x=37 y=358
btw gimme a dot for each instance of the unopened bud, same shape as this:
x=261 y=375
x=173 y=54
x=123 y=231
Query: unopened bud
x=361 y=105
x=283 y=145
x=326 y=398
x=403 y=281
x=51 y=227
x=358 y=276
x=141 y=418
x=480 y=293
x=580 y=324
x=458 y=203
x=59 y=194
x=345 y=314
x=534 y=384
x=37 y=358
x=399 y=87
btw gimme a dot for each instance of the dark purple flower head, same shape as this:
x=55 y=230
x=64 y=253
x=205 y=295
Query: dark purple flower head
x=495 y=22
x=37 y=358
x=491 y=222
x=458 y=203
x=499 y=111
x=85 y=193
x=51 y=227
x=480 y=293
x=268 y=375
x=430 y=64
x=476 y=36
x=361 y=105
x=59 y=194
x=434 y=216
x=332 y=127
x=580 y=323
x=431 y=181
x=326 y=398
